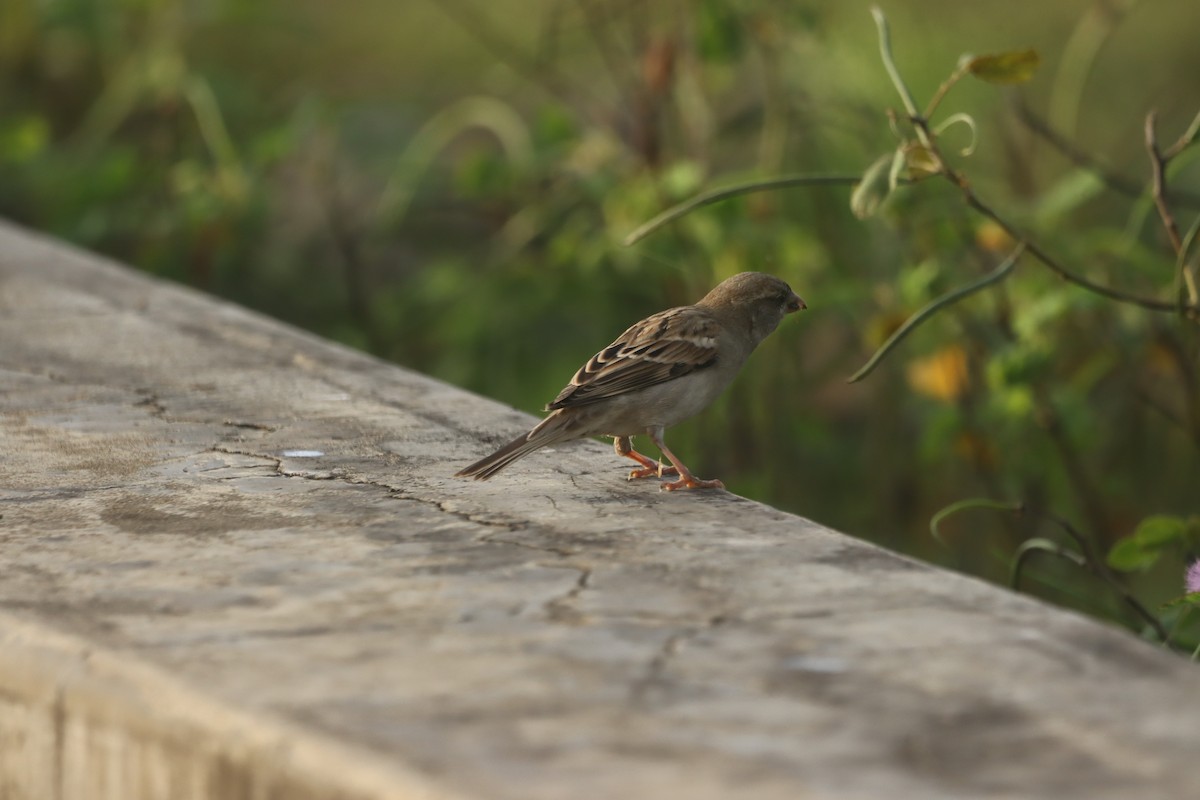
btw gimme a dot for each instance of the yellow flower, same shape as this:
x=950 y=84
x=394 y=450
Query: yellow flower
x=942 y=376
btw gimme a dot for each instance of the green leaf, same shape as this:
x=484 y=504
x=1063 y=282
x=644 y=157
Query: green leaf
x=721 y=36
x=1068 y=194
x=1017 y=66
x=1141 y=548
x=23 y=138
x=1160 y=530
x=1131 y=555
x=682 y=178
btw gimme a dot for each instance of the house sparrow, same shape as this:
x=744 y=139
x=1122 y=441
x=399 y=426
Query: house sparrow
x=664 y=369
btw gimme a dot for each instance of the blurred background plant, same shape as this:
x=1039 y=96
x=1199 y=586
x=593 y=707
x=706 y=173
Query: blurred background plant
x=448 y=184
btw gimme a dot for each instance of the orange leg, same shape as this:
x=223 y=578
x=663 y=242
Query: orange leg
x=624 y=447
x=686 y=479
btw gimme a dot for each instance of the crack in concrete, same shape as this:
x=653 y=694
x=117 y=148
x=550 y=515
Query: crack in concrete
x=562 y=552
x=654 y=676
x=55 y=493
x=313 y=475
x=560 y=609
x=491 y=521
x=151 y=401
x=438 y=419
x=229 y=451
x=34 y=372
x=253 y=426
x=392 y=491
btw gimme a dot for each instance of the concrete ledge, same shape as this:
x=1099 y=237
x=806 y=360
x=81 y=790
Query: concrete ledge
x=192 y=610
x=79 y=723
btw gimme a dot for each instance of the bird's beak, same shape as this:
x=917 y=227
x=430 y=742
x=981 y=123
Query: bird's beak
x=796 y=304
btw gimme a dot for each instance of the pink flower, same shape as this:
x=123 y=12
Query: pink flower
x=1191 y=581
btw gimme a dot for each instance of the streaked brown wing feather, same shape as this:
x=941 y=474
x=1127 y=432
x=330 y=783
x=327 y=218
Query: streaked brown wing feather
x=661 y=347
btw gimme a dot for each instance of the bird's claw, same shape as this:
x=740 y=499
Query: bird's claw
x=689 y=482
x=658 y=471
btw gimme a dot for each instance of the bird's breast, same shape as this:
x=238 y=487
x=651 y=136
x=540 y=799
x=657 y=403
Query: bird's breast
x=664 y=404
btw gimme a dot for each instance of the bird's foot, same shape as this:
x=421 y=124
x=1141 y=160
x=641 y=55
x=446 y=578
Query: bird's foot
x=649 y=468
x=691 y=482
x=652 y=471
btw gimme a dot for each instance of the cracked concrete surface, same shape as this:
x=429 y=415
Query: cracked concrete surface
x=235 y=566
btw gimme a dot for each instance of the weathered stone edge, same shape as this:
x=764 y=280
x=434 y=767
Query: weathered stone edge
x=82 y=723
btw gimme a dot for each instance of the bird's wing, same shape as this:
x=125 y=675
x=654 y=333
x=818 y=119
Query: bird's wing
x=660 y=348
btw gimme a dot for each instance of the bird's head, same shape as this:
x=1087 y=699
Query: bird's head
x=755 y=299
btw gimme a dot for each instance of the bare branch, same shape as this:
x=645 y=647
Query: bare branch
x=1158 y=166
x=946 y=86
x=1159 y=160
x=1185 y=141
x=1077 y=156
x=1054 y=266
x=973 y=200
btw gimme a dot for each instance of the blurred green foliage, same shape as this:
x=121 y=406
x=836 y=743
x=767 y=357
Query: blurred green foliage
x=447 y=185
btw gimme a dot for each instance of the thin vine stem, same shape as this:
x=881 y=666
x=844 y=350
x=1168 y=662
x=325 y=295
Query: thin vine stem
x=996 y=275
x=1099 y=568
x=675 y=212
x=928 y=139
x=889 y=64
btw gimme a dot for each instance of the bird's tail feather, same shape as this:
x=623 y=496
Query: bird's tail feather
x=523 y=445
